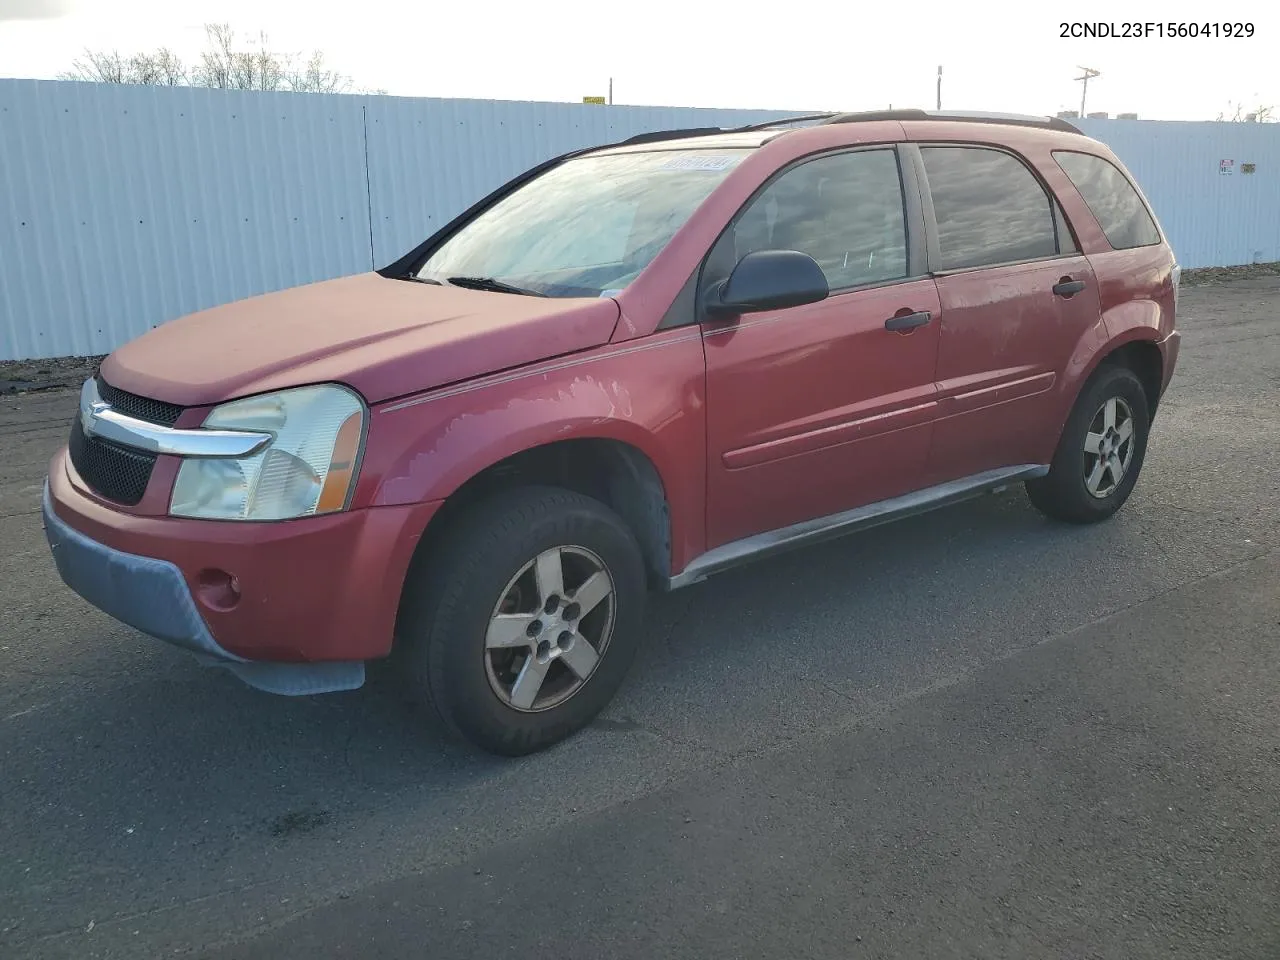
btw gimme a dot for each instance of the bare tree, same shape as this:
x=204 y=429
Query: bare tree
x=1236 y=113
x=224 y=64
x=163 y=68
x=217 y=63
x=98 y=66
x=316 y=77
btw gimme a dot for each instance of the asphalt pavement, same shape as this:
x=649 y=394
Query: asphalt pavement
x=973 y=734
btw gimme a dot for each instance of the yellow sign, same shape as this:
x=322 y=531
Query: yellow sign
x=599 y=100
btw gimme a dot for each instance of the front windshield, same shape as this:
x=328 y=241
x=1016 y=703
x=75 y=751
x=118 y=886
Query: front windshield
x=587 y=227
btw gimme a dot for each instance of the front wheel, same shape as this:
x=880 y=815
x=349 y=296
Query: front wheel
x=1101 y=451
x=524 y=622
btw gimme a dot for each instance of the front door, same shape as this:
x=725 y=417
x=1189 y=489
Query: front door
x=819 y=408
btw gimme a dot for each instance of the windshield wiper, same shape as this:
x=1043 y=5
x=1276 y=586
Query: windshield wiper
x=417 y=279
x=496 y=286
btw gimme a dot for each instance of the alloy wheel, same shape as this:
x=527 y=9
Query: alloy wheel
x=1108 y=448
x=549 y=629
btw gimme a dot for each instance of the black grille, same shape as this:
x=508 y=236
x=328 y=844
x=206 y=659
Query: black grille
x=154 y=411
x=116 y=472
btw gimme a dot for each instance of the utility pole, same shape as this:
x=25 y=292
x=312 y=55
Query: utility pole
x=611 y=91
x=939 y=105
x=1084 y=78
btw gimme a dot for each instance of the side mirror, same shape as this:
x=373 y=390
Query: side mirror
x=768 y=280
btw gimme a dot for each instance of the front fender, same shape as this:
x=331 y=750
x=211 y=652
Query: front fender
x=650 y=396
x=453 y=451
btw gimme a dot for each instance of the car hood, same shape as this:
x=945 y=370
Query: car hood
x=386 y=338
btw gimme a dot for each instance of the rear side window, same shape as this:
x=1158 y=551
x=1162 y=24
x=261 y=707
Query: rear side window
x=1112 y=198
x=988 y=206
x=843 y=210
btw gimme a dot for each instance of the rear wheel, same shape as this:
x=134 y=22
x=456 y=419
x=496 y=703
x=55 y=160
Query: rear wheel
x=1101 y=452
x=524 y=622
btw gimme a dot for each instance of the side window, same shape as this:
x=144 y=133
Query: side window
x=845 y=211
x=1120 y=211
x=988 y=206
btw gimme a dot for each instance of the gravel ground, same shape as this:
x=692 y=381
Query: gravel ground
x=1251 y=271
x=27 y=376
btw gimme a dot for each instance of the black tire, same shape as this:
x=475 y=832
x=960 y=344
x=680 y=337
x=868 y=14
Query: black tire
x=1063 y=493
x=449 y=602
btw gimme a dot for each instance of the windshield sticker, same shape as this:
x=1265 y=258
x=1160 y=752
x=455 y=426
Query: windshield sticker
x=700 y=162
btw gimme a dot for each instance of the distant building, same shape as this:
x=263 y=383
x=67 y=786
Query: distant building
x=1126 y=116
x=1099 y=116
x=1068 y=114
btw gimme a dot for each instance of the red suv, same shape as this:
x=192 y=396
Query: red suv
x=630 y=368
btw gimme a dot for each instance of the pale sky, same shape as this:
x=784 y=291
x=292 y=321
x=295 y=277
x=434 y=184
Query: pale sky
x=794 y=54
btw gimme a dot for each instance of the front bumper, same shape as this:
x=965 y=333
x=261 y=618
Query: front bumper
x=315 y=597
x=150 y=595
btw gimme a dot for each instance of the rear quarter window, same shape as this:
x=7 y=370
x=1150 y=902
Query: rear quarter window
x=1115 y=202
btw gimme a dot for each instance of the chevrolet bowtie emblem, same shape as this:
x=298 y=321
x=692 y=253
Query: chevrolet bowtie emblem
x=89 y=415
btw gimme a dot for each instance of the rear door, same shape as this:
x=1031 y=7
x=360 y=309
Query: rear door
x=819 y=408
x=1016 y=297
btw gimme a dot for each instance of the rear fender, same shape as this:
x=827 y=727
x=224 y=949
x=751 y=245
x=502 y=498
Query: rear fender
x=1136 y=320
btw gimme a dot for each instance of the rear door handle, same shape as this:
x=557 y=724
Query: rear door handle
x=1066 y=287
x=908 y=321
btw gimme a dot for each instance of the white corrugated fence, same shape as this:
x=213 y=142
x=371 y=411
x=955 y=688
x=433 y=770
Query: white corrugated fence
x=124 y=207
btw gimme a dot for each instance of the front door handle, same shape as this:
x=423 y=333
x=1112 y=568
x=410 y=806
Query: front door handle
x=1066 y=287
x=908 y=321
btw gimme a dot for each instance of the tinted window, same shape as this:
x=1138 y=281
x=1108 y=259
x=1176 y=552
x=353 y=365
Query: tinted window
x=845 y=211
x=988 y=206
x=1116 y=204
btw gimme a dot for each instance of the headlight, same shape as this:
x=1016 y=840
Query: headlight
x=307 y=468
